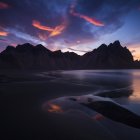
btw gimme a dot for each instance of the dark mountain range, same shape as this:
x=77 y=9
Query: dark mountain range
x=27 y=56
x=111 y=56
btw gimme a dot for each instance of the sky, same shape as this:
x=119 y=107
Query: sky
x=70 y=25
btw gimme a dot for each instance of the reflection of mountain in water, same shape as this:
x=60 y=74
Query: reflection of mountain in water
x=90 y=104
x=27 y=56
x=102 y=100
x=22 y=95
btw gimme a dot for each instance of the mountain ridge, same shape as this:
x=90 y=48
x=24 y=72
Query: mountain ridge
x=27 y=56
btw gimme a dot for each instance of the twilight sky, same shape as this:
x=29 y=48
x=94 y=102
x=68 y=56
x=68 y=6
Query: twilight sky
x=70 y=25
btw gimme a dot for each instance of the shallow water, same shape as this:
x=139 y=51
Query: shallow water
x=23 y=94
x=101 y=79
x=109 y=80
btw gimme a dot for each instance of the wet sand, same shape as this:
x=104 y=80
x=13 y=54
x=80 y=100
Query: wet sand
x=21 y=99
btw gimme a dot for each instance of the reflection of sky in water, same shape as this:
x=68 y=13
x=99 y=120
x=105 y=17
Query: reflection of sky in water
x=94 y=107
x=111 y=79
x=136 y=86
x=101 y=79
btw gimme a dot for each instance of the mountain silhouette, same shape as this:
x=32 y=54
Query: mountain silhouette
x=111 y=56
x=27 y=56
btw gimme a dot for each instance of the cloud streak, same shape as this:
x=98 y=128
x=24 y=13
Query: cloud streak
x=53 y=31
x=38 y=25
x=26 y=37
x=3 y=33
x=86 y=18
x=61 y=23
x=58 y=30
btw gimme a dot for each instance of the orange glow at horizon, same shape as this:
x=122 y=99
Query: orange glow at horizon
x=13 y=44
x=135 y=48
x=2 y=33
x=3 y=5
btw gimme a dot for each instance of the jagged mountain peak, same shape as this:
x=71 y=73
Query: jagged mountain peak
x=117 y=43
x=28 y=56
x=9 y=48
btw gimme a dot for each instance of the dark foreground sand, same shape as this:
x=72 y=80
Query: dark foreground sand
x=21 y=99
